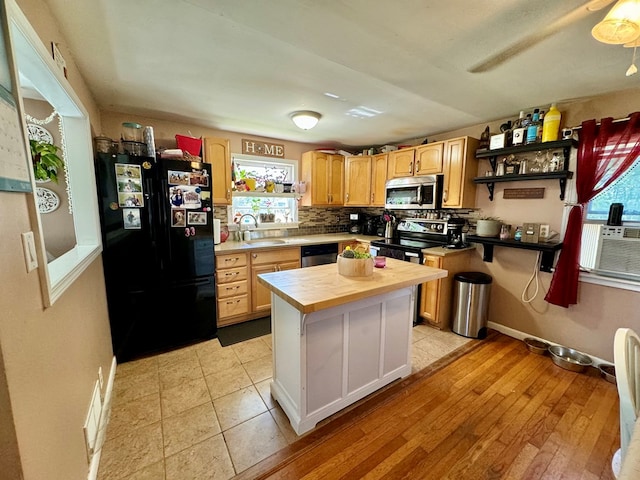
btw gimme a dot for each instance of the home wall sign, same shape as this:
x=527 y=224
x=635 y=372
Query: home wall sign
x=264 y=149
x=519 y=193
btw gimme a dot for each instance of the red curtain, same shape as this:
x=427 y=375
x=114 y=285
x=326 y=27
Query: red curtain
x=605 y=151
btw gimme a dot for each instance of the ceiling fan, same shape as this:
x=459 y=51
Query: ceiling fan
x=540 y=35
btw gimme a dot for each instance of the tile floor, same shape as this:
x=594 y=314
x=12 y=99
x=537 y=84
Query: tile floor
x=204 y=412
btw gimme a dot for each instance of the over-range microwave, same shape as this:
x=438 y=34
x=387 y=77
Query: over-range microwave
x=414 y=193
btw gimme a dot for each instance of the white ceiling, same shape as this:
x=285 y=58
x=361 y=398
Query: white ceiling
x=245 y=65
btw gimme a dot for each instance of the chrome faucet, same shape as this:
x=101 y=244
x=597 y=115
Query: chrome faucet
x=255 y=220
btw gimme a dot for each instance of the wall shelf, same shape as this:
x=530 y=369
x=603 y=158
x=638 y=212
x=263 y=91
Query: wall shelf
x=548 y=249
x=561 y=175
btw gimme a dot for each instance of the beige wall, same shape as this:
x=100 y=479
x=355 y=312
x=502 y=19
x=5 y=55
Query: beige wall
x=50 y=357
x=589 y=326
x=165 y=132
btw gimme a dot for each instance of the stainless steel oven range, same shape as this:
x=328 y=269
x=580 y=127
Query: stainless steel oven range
x=411 y=237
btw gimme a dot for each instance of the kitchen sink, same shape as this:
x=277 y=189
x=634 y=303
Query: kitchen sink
x=264 y=242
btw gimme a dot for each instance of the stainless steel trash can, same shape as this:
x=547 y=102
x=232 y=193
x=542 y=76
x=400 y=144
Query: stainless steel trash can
x=471 y=304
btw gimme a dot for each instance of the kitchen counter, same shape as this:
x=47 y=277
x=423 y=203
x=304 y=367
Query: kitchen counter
x=338 y=339
x=313 y=289
x=231 y=246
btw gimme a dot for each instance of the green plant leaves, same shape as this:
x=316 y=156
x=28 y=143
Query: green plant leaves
x=46 y=161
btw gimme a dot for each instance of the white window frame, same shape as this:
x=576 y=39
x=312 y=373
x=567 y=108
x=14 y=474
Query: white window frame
x=266 y=160
x=33 y=60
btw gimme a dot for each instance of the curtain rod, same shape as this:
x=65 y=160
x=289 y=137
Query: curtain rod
x=616 y=120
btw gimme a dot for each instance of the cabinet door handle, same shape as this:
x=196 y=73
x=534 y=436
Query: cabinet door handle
x=234 y=259
x=347 y=196
x=444 y=196
x=233 y=301
x=417 y=165
x=231 y=273
x=228 y=194
x=411 y=168
x=233 y=288
x=254 y=255
x=372 y=197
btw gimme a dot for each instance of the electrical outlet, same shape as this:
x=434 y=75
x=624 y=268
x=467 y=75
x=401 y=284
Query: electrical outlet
x=544 y=231
x=100 y=378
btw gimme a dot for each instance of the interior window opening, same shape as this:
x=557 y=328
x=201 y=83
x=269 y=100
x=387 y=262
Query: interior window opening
x=263 y=192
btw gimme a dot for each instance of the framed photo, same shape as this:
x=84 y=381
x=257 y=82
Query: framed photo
x=185 y=196
x=196 y=218
x=131 y=217
x=178 y=217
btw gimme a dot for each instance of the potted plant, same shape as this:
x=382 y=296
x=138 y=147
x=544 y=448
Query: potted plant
x=46 y=161
x=488 y=227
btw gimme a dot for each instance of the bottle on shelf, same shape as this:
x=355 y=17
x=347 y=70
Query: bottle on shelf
x=540 y=127
x=518 y=130
x=551 y=124
x=532 y=128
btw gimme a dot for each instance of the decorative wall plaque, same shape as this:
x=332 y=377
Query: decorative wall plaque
x=264 y=149
x=511 y=193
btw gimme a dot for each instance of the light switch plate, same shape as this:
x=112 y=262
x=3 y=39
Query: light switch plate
x=29 y=246
x=530 y=232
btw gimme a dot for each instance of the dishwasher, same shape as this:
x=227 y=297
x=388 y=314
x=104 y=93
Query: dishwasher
x=321 y=254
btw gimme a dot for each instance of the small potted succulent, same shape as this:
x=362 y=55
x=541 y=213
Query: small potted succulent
x=355 y=262
x=46 y=161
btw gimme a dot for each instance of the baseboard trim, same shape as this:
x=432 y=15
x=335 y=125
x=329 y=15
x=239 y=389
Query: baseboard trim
x=104 y=421
x=512 y=332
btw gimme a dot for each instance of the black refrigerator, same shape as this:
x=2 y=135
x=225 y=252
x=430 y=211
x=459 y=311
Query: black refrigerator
x=158 y=252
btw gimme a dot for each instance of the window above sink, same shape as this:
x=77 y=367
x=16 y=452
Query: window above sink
x=271 y=209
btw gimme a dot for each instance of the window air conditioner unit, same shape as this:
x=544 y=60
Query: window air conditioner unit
x=611 y=251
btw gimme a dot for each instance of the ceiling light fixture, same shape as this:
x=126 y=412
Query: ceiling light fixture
x=621 y=25
x=305 y=119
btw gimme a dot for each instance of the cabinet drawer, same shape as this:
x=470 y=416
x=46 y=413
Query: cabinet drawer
x=231 y=275
x=231 y=260
x=275 y=256
x=229 y=307
x=225 y=290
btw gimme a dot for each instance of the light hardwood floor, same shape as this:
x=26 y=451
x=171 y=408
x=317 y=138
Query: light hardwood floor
x=492 y=410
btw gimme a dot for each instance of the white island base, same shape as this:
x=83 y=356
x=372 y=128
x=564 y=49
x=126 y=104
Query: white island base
x=328 y=359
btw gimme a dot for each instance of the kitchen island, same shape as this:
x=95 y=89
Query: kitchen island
x=337 y=339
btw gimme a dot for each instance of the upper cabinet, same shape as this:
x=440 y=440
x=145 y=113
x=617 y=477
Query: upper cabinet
x=357 y=175
x=428 y=159
x=324 y=177
x=459 y=167
x=401 y=163
x=216 y=152
x=365 y=180
x=378 y=179
x=422 y=160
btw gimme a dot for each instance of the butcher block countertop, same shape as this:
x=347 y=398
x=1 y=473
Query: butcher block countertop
x=316 y=288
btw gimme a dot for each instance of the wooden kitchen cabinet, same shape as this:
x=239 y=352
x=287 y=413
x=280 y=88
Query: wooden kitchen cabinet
x=460 y=166
x=401 y=163
x=324 y=177
x=357 y=179
x=379 y=165
x=217 y=153
x=422 y=160
x=365 y=180
x=436 y=297
x=266 y=261
x=232 y=288
x=428 y=159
